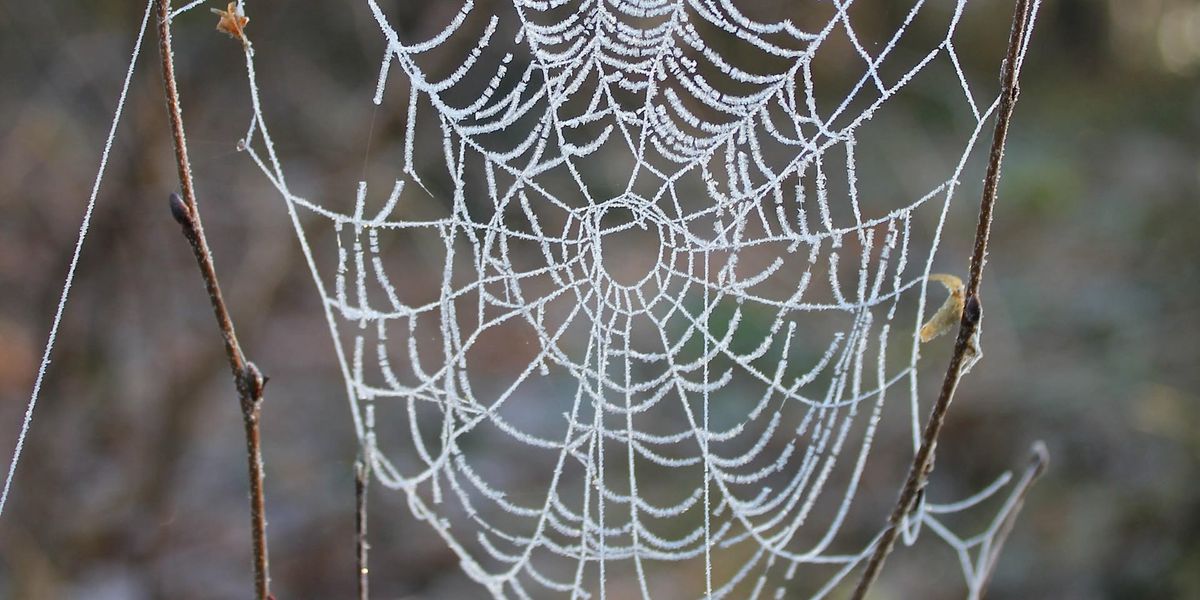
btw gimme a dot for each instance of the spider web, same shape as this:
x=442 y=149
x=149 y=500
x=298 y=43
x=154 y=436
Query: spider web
x=663 y=318
x=655 y=313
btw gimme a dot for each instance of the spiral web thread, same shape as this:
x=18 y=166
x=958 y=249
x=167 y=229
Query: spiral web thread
x=713 y=407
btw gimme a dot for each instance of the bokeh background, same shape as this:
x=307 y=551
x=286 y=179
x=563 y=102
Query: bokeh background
x=132 y=482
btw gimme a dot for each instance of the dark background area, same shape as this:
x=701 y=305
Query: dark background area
x=132 y=483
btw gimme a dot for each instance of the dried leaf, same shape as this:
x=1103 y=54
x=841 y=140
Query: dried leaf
x=232 y=22
x=950 y=313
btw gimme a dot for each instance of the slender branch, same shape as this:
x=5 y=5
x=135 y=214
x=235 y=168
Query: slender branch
x=362 y=477
x=1039 y=459
x=968 y=326
x=249 y=381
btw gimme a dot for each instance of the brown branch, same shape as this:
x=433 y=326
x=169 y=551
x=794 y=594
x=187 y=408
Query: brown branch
x=968 y=326
x=362 y=477
x=247 y=378
x=1038 y=461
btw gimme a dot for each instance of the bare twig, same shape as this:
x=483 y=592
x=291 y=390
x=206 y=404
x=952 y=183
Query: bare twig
x=362 y=477
x=249 y=380
x=972 y=312
x=1039 y=459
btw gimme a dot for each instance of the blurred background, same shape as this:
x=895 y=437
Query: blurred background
x=132 y=483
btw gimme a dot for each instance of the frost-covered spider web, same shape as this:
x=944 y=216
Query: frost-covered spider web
x=628 y=320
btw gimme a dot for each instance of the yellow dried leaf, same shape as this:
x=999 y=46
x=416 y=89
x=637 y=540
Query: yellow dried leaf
x=950 y=313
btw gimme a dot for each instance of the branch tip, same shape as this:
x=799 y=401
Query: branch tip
x=1039 y=457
